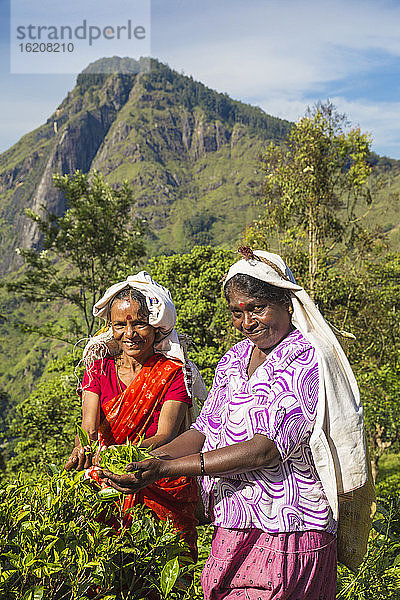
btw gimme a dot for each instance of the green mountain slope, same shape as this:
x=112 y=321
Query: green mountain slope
x=186 y=150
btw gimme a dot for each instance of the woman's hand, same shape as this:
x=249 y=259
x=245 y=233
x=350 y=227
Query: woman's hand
x=138 y=476
x=257 y=453
x=81 y=458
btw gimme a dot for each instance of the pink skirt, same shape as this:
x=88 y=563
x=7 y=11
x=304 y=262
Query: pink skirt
x=249 y=564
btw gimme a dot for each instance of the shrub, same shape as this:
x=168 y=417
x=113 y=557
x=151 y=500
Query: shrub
x=55 y=544
x=379 y=575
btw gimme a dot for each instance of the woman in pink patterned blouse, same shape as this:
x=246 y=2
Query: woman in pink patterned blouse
x=279 y=437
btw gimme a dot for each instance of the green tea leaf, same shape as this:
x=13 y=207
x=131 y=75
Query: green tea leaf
x=52 y=469
x=107 y=493
x=83 y=436
x=5 y=575
x=34 y=594
x=396 y=561
x=169 y=575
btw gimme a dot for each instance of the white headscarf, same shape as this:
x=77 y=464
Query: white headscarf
x=337 y=441
x=162 y=316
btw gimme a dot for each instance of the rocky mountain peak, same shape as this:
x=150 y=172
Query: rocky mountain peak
x=168 y=135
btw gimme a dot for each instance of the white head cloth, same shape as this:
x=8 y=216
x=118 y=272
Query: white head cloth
x=338 y=441
x=162 y=315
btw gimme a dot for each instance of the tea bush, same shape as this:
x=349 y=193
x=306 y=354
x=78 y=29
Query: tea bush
x=379 y=575
x=54 y=544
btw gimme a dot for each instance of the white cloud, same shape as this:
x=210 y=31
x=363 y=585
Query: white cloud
x=283 y=45
x=284 y=55
x=379 y=119
x=286 y=107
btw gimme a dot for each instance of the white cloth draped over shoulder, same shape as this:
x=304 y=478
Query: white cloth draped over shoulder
x=162 y=316
x=338 y=440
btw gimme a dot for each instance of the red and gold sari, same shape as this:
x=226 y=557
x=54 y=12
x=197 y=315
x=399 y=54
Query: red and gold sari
x=126 y=417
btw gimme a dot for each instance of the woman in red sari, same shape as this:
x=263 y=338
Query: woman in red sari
x=138 y=384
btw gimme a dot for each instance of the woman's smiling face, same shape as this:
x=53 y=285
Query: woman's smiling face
x=265 y=324
x=132 y=331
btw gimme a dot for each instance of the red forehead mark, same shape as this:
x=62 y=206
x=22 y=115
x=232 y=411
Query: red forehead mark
x=241 y=304
x=129 y=317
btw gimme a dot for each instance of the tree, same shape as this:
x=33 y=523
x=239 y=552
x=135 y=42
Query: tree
x=313 y=187
x=83 y=248
x=365 y=299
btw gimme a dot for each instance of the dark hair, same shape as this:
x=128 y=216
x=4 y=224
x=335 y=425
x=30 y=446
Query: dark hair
x=135 y=295
x=259 y=290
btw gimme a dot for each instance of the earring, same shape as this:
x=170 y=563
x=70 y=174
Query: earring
x=290 y=310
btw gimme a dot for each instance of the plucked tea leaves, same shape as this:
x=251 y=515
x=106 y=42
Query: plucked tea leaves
x=107 y=493
x=115 y=458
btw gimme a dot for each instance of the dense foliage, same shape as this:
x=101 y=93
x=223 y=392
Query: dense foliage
x=42 y=427
x=59 y=541
x=193 y=94
x=363 y=297
x=81 y=248
x=378 y=576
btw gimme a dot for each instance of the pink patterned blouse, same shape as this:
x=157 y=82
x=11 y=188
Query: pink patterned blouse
x=279 y=401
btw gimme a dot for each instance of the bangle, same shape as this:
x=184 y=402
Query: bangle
x=202 y=468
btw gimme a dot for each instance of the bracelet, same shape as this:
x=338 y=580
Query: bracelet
x=202 y=468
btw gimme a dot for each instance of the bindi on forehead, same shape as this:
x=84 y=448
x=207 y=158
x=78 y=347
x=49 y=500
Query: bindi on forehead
x=129 y=317
x=241 y=304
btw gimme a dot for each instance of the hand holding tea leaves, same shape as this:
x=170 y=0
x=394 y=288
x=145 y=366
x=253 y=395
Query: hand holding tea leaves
x=110 y=462
x=114 y=461
x=116 y=458
x=136 y=475
x=81 y=456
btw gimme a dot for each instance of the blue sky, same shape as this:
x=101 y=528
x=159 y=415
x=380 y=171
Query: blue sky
x=282 y=55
